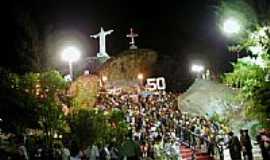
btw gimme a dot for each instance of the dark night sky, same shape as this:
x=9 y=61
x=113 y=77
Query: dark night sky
x=179 y=30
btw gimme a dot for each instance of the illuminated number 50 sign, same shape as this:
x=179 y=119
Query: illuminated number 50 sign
x=156 y=83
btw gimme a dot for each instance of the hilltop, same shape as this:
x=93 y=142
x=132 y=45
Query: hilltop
x=121 y=70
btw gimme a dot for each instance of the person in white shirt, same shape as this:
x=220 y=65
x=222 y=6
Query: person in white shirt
x=23 y=152
x=65 y=153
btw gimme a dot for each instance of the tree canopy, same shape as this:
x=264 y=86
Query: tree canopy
x=32 y=101
x=251 y=73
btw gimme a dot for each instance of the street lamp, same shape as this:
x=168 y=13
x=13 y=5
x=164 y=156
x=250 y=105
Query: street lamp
x=71 y=54
x=198 y=69
x=231 y=26
x=140 y=78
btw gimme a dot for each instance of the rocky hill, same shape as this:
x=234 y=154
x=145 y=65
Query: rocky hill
x=121 y=70
x=128 y=64
x=205 y=96
x=209 y=97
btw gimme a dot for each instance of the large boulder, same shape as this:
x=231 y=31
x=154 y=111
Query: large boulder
x=205 y=97
x=121 y=71
x=209 y=97
x=128 y=64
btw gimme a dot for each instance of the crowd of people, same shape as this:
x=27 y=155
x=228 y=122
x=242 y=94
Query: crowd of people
x=158 y=125
x=152 y=121
x=157 y=129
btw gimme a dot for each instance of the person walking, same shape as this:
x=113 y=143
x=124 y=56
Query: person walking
x=246 y=144
x=21 y=150
x=234 y=146
x=263 y=140
x=92 y=152
x=105 y=153
x=65 y=153
x=130 y=150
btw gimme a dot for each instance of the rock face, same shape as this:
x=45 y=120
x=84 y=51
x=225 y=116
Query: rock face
x=208 y=97
x=121 y=71
x=128 y=64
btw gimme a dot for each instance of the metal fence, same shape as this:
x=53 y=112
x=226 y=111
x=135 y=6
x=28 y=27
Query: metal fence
x=198 y=143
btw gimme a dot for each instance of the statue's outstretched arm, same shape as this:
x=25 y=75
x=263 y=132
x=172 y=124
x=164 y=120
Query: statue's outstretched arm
x=109 y=31
x=94 y=36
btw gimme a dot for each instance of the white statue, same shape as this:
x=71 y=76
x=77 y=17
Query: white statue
x=132 y=36
x=102 y=42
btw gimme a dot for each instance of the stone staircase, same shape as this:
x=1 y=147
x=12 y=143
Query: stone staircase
x=186 y=154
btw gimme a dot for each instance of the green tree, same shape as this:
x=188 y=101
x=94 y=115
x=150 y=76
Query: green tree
x=33 y=101
x=47 y=88
x=251 y=74
x=17 y=110
x=97 y=127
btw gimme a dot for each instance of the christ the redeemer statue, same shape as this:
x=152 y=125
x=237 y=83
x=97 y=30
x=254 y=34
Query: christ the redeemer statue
x=102 y=42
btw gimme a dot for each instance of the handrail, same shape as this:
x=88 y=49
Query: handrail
x=188 y=138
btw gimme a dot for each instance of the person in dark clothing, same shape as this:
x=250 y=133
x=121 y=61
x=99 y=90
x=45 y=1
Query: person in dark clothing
x=3 y=154
x=114 y=152
x=264 y=144
x=105 y=153
x=74 y=150
x=246 y=144
x=234 y=147
x=21 y=149
x=130 y=149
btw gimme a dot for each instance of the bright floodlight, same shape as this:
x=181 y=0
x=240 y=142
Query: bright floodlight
x=231 y=26
x=197 y=68
x=71 y=54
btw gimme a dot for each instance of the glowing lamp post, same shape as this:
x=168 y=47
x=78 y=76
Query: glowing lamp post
x=140 y=78
x=198 y=69
x=231 y=26
x=71 y=54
